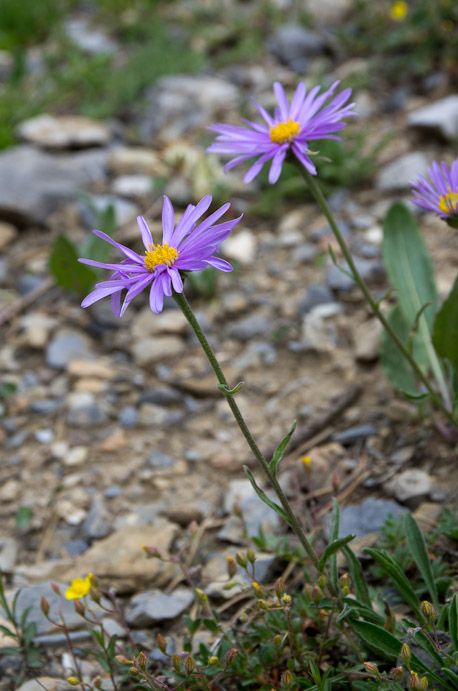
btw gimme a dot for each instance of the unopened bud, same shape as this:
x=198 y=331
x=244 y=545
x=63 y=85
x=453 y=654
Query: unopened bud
x=280 y=588
x=213 y=660
x=287 y=680
x=243 y=618
x=189 y=665
x=263 y=604
x=96 y=595
x=344 y=580
x=176 y=662
x=423 y=685
x=286 y=600
x=397 y=673
x=200 y=595
x=151 y=552
x=308 y=589
x=251 y=556
x=79 y=607
x=74 y=681
x=231 y=567
x=97 y=682
x=371 y=667
x=56 y=589
x=44 y=604
x=278 y=641
x=307 y=462
x=123 y=660
x=237 y=509
x=335 y=481
x=428 y=611
x=133 y=671
x=241 y=560
x=405 y=653
x=258 y=589
x=322 y=581
x=142 y=660
x=414 y=681
x=231 y=655
x=317 y=594
x=161 y=643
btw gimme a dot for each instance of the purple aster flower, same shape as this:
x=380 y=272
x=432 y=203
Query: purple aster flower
x=185 y=248
x=440 y=192
x=291 y=127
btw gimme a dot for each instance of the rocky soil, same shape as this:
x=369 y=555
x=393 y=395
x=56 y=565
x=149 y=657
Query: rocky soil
x=113 y=432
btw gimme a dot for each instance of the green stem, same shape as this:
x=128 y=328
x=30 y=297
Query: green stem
x=322 y=203
x=183 y=304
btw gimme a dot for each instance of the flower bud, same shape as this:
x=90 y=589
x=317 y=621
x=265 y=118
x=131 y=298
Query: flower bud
x=231 y=567
x=397 y=673
x=251 y=556
x=307 y=462
x=176 y=662
x=371 y=667
x=241 y=560
x=74 y=681
x=44 y=604
x=231 y=655
x=123 y=660
x=344 y=580
x=414 y=681
x=97 y=682
x=405 y=653
x=428 y=611
x=243 y=618
x=286 y=600
x=189 y=665
x=262 y=604
x=133 y=671
x=280 y=588
x=322 y=581
x=79 y=607
x=317 y=594
x=56 y=589
x=161 y=643
x=335 y=481
x=200 y=595
x=278 y=641
x=213 y=660
x=142 y=660
x=237 y=509
x=258 y=589
x=287 y=680
x=151 y=552
x=423 y=685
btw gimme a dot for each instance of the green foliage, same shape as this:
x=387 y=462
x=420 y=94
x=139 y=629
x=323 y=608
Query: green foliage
x=28 y=22
x=448 y=525
x=445 y=336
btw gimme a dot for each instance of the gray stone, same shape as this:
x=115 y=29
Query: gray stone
x=353 y=434
x=439 y=118
x=370 y=270
x=84 y=411
x=157 y=459
x=44 y=436
x=180 y=102
x=33 y=183
x=66 y=346
x=98 y=522
x=74 y=547
x=90 y=39
x=305 y=253
x=135 y=186
x=319 y=331
x=399 y=174
x=317 y=294
x=154 y=605
x=128 y=416
x=367 y=517
x=240 y=247
x=28 y=282
x=8 y=554
x=293 y=45
x=148 y=351
x=161 y=395
x=64 y=131
x=256 y=514
x=410 y=487
x=215 y=575
x=112 y=491
x=251 y=326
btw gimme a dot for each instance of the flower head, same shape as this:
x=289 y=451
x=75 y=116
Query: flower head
x=291 y=127
x=399 y=10
x=440 y=192
x=79 y=588
x=188 y=247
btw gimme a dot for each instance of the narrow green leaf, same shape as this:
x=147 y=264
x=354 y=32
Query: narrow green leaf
x=453 y=620
x=333 y=535
x=7 y=632
x=445 y=335
x=332 y=548
x=396 y=367
x=417 y=547
x=211 y=625
x=357 y=578
x=262 y=495
x=356 y=610
x=390 y=566
x=8 y=650
x=230 y=392
x=450 y=675
x=376 y=638
x=416 y=396
x=68 y=272
x=281 y=448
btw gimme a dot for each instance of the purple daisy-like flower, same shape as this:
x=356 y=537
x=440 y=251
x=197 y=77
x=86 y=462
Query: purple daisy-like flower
x=440 y=192
x=185 y=248
x=291 y=127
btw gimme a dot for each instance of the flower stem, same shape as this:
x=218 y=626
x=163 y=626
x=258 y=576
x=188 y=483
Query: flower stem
x=183 y=304
x=322 y=203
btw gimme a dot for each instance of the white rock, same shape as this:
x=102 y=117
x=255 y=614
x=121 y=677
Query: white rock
x=63 y=131
x=399 y=174
x=410 y=486
x=241 y=247
x=134 y=160
x=76 y=456
x=440 y=117
x=36 y=329
x=167 y=322
x=368 y=338
x=318 y=330
x=132 y=186
x=149 y=351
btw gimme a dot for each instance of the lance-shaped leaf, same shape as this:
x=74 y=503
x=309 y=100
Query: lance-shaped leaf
x=453 y=620
x=417 y=547
x=401 y=582
x=68 y=272
x=281 y=448
x=357 y=577
x=262 y=495
x=445 y=336
x=332 y=548
x=398 y=369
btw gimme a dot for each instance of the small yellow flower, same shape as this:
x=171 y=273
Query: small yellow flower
x=79 y=588
x=306 y=460
x=399 y=10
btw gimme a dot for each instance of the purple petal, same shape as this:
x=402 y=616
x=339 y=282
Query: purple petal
x=146 y=233
x=125 y=250
x=219 y=264
x=275 y=168
x=168 y=220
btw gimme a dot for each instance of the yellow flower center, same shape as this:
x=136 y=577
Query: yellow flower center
x=448 y=202
x=160 y=254
x=284 y=132
x=399 y=10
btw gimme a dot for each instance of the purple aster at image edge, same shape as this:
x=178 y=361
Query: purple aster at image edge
x=440 y=192
x=291 y=127
x=185 y=248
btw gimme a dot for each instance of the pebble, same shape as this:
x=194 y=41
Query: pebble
x=75 y=547
x=124 y=211
x=305 y=253
x=37 y=328
x=98 y=522
x=241 y=247
x=91 y=40
x=410 y=487
x=151 y=415
x=100 y=369
x=354 y=434
x=149 y=351
x=84 y=411
x=44 y=436
x=8 y=233
x=161 y=395
x=252 y=326
x=367 y=517
x=317 y=294
x=128 y=416
x=75 y=456
x=10 y=490
x=132 y=186
x=63 y=131
x=134 y=160
x=157 y=459
x=319 y=332
x=293 y=45
x=153 y=605
x=170 y=321
x=440 y=118
x=398 y=175
x=8 y=554
x=65 y=347
x=368 y=340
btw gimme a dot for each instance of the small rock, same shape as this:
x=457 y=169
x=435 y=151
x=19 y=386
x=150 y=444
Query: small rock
x=76 y=456
x=353 y=434
x=65 y=347
x=151 y=415
x=10 y=490
x=403 y=455
x=368 y=339
x=44 y=436
x=36 y=329
x=133 y=186
x=128 y=416
x=153 y=606
x=8 y=554
x=170 y=321
x=370 y=270
x=319 y=332
x=84 y=411
x=367 y=517
x=131 y=160
x=98 y=522
x=8 y=233
x=254 y=325
x=398 y=175
x=161 y=395
x=439 y=118
x=149 y=351
x=317 y=294
x=240 y=247
x=184 y=514
x=63 y=132
x=305 y=253
x=75 y=547
x=410 y=487
x=293 y=45
x=99 y=369
x=157 y=459
x=90 y=39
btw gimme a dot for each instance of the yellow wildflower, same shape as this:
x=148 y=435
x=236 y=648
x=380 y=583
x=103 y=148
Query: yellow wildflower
x=399 y=10
x=79 y=588
x=306 y=460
